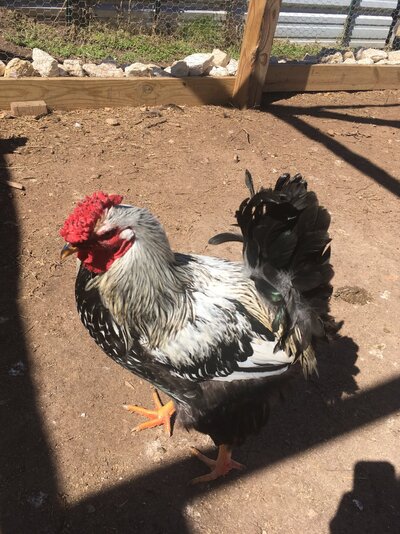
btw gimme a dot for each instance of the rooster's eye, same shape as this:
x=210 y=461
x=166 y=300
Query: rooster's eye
x=107 y=235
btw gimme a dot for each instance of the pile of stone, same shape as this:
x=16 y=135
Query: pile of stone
x=363 y=56
x=218 y=63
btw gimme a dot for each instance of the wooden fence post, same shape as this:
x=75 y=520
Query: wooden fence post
x=255 y=52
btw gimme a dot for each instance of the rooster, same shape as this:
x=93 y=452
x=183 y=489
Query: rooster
x=218 y=337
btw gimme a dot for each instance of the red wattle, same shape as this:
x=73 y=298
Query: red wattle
x=99 y=259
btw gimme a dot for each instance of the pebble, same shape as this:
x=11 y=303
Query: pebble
x=38 y=499
x=18 y=369
x=111 y=121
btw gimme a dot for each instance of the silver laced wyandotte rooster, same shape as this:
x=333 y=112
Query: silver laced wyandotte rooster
x=218 y=337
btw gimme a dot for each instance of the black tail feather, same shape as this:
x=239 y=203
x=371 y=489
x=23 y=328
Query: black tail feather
x=249 y=182
x=224 y=238
x=286 y=246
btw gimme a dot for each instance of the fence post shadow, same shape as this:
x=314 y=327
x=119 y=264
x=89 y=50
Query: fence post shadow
x=28 y=481
x=291 y=115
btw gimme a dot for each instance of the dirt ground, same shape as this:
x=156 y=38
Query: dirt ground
x=329 y=459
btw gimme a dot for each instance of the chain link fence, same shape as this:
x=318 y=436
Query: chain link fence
x=355 y=23
x=166 y=30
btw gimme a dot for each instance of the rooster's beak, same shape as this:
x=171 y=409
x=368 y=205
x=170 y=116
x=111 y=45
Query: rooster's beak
x=67 y=251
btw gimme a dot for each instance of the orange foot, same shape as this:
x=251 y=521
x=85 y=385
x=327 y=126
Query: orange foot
x=219 y=467
x=160 y=416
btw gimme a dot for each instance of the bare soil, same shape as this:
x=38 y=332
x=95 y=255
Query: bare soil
x=329 y=459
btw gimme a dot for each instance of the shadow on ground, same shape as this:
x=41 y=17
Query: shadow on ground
x=295 y=116
x=373 y=504
x=27 y=472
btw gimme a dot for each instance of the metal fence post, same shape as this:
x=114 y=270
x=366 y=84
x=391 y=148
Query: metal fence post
x=392 y=39
x=350 y=21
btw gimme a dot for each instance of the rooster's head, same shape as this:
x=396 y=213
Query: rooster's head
x=101 y=230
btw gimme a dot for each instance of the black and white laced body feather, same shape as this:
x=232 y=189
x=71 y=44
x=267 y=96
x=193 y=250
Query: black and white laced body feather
x=218 y=337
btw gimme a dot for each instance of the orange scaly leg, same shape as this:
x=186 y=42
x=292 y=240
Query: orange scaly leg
x=219 y=467
x=160 y=416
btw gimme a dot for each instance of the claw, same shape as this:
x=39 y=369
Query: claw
x=160 y=416
x=219 y=467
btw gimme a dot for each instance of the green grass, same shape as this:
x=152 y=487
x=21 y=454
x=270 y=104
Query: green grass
x=285 y=49
x=100 y=41
x=126 y=45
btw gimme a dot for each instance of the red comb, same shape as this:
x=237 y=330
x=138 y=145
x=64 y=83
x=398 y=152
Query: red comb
x=80 y=224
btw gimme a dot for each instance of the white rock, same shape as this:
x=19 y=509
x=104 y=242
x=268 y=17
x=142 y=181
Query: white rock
x=374 y=54
x=350 y=61
x=359 y=53
x=232 y=67
x=44 y=63
x=61 y=70
x=137 y=69
x=199 y=63
x=2 y=68
x=142 y=69
x=348 y=55
x=282 y=61
x=394 y=55
x=218 y=72
x=18 y=68
x=74 y=67
x=365 y=61
x=387 y=62
x=179 y=69
x=221 y=59
x=104 y=70
x=333 y=58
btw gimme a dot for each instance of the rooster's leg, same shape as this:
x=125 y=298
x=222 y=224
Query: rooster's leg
x=160 y=416
x=219 y=467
